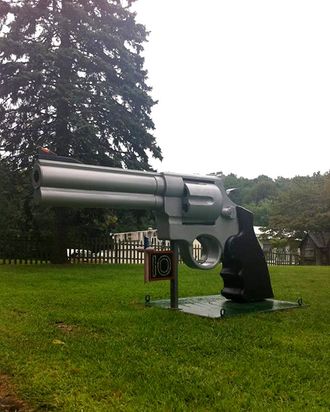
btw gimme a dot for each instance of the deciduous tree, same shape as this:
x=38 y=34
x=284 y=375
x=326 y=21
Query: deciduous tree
x=303 y=206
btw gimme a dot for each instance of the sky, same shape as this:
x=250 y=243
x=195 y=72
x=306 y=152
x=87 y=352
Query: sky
x=243 y=86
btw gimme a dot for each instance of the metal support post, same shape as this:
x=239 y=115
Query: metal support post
x=174 y=281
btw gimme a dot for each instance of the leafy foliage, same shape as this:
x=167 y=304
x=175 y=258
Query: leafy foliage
x=10 y=201
x=72 y=78
x=20 y=216
x=303 y=206
x=287 y=207
x=254 y=194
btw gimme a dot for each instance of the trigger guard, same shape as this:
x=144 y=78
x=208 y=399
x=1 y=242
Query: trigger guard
x=212 y=252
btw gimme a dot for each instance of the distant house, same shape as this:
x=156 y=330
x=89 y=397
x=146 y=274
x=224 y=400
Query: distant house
x=264 y=240
x=137 y=236
x=315 y=248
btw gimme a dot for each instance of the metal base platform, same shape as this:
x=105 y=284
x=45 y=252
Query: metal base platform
x=216 y=306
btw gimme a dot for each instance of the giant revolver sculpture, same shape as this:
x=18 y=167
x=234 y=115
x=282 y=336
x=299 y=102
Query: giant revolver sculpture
x=187 y=207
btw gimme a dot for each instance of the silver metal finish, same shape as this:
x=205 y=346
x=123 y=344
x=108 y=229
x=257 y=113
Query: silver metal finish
x=187 y=207
x=91 y=198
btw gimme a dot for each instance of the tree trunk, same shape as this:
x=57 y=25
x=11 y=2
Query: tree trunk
x=59 y=248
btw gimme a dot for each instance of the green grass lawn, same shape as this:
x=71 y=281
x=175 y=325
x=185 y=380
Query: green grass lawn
x=78 y=338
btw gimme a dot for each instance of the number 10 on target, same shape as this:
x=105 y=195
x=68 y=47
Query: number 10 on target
x=158 y=265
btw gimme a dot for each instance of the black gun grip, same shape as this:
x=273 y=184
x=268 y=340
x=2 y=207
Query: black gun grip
x=244 y=268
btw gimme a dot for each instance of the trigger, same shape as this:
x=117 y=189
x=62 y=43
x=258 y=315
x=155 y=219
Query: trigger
x=187 y=254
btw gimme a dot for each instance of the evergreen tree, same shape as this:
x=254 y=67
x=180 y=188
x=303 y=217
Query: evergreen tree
x=72 y=79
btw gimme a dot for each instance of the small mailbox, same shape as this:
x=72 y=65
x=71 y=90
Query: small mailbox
x=158 y=265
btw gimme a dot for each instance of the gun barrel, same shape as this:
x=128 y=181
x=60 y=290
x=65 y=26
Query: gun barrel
x=75 y=184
